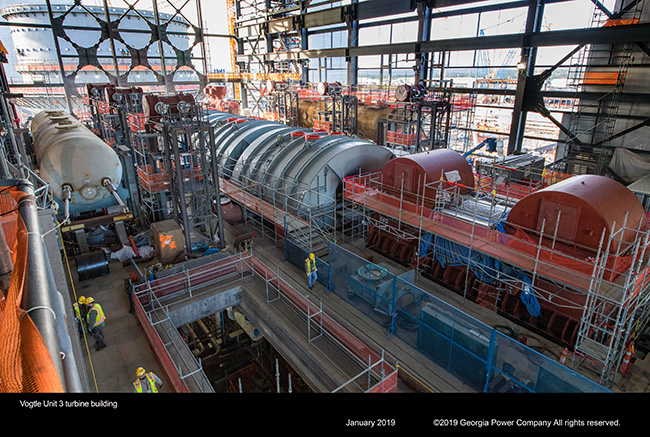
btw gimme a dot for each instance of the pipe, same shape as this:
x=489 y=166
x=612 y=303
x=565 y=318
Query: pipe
x=252 y=331
x=111 y=189
x=67 y=196
x=208 y=332
x=198 y=345
x=70 y=369
x=38 y=290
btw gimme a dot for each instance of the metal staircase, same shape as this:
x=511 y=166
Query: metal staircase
x=310 y=237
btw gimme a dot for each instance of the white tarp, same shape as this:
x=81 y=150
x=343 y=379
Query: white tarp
x=630 y=165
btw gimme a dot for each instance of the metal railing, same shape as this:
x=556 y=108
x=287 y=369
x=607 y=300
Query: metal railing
x=375 y=374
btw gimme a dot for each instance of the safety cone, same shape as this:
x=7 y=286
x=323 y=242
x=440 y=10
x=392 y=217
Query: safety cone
x=563 y=357
x=625 y=365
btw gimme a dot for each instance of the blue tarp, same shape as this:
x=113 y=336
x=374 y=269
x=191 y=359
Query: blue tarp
x=486 y=268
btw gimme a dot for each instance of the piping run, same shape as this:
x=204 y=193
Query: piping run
x=246 y=325
x=41 y=299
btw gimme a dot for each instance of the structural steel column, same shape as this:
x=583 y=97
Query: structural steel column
x=304 y=40
x=353 y=41
x=528 y=55
x=424 y=34
x=56 y=31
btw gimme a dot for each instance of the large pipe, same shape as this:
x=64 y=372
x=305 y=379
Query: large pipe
x=106 y=183
x=69 y=360
x=38 y=289
x=237 y=316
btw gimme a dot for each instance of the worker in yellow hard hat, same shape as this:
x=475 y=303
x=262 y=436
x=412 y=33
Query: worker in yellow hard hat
x=310 y=269
x=96 y=320
x=80 y=313
x=147 y=382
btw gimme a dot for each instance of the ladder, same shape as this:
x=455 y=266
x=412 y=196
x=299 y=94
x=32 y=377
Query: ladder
x=597 y=67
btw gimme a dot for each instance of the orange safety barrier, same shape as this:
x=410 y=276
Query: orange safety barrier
x=320 y=124
x=25 y=362
x=153 y=182
x=620 y=22
x=401 y=138
x=137 y=122
x=599 y=78
x=271 y=116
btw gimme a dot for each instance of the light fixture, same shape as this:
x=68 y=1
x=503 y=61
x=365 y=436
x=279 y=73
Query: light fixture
x=521 y=65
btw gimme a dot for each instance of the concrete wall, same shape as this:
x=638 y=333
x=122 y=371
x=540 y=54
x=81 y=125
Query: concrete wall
x=193 y=310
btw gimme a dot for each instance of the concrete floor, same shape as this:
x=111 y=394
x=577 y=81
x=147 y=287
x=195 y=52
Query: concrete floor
x=112 y=370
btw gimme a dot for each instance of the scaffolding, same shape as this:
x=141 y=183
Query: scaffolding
x=591 y=126
x=596 y=305
x=282 y=104
x=337 y=111
x=152 y=175
x=305 y=214
x=110 y=119
x=176 y=173
x=422 y=124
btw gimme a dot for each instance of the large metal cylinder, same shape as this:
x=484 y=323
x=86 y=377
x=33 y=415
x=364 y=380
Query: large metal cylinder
x=68 y=154
x=579 y=210
x=92 y=265
x=296 y=169
x=412 y=173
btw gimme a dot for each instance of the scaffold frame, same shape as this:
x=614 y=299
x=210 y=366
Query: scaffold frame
x=620 y=297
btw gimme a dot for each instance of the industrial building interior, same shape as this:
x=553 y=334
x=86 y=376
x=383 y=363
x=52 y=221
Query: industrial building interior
x=472 y=178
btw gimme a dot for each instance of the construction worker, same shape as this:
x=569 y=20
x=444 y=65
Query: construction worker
x=96 y=320
x=80 y=313
x=147 y=382
x=310 y=269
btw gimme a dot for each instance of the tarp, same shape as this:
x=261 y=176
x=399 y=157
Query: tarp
x=630 y=165
x=641 y=186
x=485 y=268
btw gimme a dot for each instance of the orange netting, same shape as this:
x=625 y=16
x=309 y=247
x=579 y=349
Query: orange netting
x=25 y=362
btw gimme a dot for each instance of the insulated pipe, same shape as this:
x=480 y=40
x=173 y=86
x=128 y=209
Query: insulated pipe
x=240 y=318
x=38 y=290
x=106 y=183
x=69 y=360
